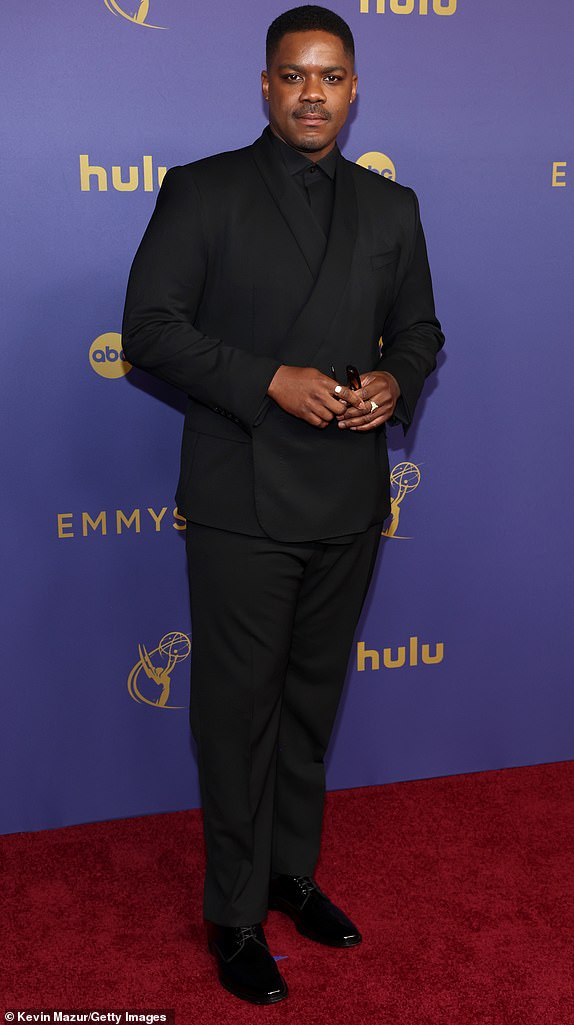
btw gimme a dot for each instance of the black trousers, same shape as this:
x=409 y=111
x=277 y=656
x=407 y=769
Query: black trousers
x=272 y=628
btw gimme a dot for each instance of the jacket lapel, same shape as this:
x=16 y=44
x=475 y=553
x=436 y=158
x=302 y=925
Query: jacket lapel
x=291 y=204
x=315 y=321
x=331 y=267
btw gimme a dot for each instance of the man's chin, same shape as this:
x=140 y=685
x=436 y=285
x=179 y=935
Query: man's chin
x=306 y=144
x=309 y=147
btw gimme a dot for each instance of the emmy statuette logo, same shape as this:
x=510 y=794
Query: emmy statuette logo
x=106 y=356
x=149 y=682
x=380 y=163
x=135 y=12
x=405 y=477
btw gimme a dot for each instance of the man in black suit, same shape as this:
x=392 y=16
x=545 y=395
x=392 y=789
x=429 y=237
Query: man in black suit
x=263 y=273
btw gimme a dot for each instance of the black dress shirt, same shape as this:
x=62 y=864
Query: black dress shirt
x=315 y=179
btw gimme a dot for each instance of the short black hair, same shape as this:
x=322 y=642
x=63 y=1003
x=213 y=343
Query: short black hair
x=309 y=18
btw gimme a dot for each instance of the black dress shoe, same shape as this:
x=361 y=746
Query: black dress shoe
x=245 y=965
x=313 y=913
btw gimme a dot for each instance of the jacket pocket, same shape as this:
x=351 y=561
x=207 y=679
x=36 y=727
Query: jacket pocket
x=204 y=420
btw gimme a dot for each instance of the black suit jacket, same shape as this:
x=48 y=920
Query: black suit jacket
x=230 y=282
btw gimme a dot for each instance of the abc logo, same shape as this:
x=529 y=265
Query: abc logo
x=106 y=356
x=380 y=163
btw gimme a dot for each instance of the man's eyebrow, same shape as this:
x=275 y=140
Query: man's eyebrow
x=299 y=67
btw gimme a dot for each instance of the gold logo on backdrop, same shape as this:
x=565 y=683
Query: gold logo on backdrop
x=408 y=6
x=139 y=15
x=405 y=477
x=107 y=357
x=559 y=174
x=403 y=656
x=380 y=163
x=154 y=669
x=106 y=522
x=121 y=180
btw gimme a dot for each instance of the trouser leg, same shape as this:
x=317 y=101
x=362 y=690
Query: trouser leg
x=272 y=627
x=329 y=603
x=243 y=597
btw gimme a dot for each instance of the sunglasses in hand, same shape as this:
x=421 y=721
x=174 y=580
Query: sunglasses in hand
x=353 y=378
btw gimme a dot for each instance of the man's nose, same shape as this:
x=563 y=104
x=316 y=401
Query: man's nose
x=312 y=91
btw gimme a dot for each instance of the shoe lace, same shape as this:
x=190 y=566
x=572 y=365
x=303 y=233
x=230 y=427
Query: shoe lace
x=246 y=932
x=306 y=885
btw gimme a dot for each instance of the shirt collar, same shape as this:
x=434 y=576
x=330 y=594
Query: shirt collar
x=295 y=161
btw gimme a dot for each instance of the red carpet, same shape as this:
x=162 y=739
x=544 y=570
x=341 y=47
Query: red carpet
x=463 y=888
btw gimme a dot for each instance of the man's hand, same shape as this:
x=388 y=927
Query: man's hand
x=310 y=395
x=379 y=387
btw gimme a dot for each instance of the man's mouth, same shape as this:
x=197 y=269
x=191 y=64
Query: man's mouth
x=312 y=117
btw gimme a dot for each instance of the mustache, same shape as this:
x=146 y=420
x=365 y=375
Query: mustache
x=315 y=110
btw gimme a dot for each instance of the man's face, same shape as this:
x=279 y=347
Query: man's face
x=309 y=86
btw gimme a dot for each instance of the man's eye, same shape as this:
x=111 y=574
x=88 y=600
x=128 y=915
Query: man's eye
x=332 y=78
x=291 y=77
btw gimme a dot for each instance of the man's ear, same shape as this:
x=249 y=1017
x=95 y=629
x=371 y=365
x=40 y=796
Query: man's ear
x=265 y=85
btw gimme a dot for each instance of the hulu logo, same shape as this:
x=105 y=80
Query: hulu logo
x=405 y=655
x=444 y=7
x=96 y=177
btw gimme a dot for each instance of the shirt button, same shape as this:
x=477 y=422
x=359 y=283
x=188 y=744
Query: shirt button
x=312 y=170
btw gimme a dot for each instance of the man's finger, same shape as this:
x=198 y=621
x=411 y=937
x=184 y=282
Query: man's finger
x=382 y=408
x=334 y=405
x=380 y=393
x=316 y=420
x=350 y=396
x=354 y=419
x=369 y=426
x=364 y=423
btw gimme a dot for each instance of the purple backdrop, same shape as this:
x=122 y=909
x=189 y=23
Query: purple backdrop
x=462 y=659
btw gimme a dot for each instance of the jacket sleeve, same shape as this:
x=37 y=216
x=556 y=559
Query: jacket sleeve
x=411 y=334
x=163 y=296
